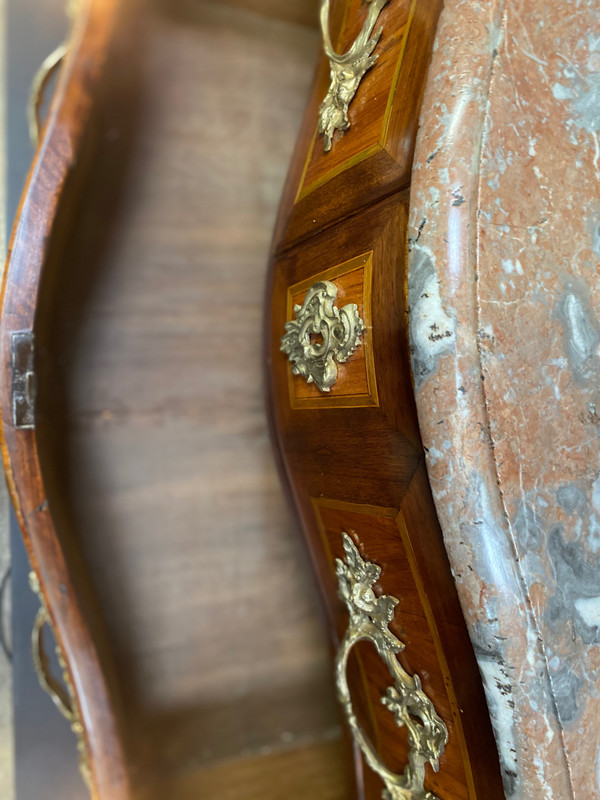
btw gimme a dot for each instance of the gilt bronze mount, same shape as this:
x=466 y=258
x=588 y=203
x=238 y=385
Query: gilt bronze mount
x=321 y=335
x=347 y=70
x=370 y=617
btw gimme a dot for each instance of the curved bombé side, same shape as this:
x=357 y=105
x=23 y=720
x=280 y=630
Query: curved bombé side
x=89 y=42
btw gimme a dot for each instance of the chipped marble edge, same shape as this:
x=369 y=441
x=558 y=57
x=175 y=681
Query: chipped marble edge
x=451 y=401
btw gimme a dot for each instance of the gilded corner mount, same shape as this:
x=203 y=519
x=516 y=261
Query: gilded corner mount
x=321 y=335
x=347 y=70
x=370 y=617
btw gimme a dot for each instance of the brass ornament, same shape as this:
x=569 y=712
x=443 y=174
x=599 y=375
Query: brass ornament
x=40 y=80
x=370 y=617
x=347 y=71
x=63 y=697
x=321 y=335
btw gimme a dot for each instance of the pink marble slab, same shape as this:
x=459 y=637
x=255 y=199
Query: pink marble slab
x=504 y=294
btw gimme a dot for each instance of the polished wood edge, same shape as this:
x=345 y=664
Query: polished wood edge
x=89 y=42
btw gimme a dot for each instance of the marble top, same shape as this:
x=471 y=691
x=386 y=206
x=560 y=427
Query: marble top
x=504 y=295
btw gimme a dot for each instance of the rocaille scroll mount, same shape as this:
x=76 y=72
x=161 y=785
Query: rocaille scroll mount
x=370 y=617
x=347 y=70
x=321 y=335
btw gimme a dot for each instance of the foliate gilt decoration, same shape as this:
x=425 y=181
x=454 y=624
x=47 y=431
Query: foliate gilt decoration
x=347 y=71
x=321 y=335
x=370 y=617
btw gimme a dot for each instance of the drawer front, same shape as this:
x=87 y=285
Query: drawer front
x=335 y=170
x=350 y=443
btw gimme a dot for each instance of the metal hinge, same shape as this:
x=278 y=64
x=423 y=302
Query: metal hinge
x=23 y=383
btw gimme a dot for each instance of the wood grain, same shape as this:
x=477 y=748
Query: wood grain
x=188 y=536
x=155 y=503
x=316 y=771
x=361 y=470
x=372 y=159
x=302 y=12
x=370 y=111
x=383 y=531
x=67 y=121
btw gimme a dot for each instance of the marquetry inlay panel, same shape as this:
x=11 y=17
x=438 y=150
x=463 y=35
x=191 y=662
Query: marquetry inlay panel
x=370 y=110
x=381 y=533
x=355 y=384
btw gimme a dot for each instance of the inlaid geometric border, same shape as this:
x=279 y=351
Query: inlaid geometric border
x=361 y=390
x=303 y=190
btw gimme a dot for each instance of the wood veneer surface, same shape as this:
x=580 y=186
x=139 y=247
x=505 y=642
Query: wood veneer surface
x=151 y=405
x=353 y=458
x=374 y=157
x=319 y=771
x=304 y=12
x=68 y=605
